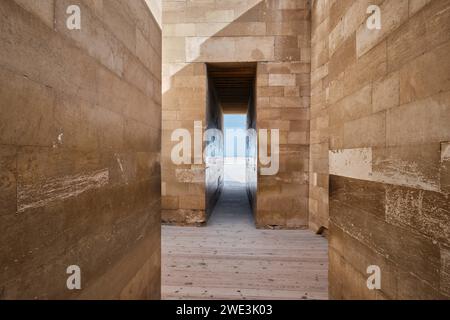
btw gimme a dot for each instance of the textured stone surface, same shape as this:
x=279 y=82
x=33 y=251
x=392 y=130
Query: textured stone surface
x=379 y=124
x=276 y=36
x=79 y=150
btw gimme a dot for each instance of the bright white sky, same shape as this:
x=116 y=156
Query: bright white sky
x=235 y=134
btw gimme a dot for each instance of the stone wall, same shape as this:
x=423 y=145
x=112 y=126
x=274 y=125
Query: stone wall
x=275 y=34
x=79 y=150
x=380 y=114
x=214 y=153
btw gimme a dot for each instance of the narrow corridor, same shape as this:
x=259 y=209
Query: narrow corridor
x=231 y=259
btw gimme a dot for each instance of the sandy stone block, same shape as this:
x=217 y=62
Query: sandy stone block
x=270 y=91
x=286 y=48
x=386 y=93
x=277 y=67
x=282 y=80
x=74 y=121
x=169 y=202
x=219 y=16
x=141 y=137
x=416 y=5
x=354 y=106
x=262 y=80
x=286 y=15
x=243 y=29
x=195 y=114
x=393 y=13
x=20 y=97
x=320 y=165
x=138 y=287
x=291 y=28
x=209 y=29
x=44 y=9
x=112 y=91
x=184 y=217
x=247 y=49
x=269 y=114
x=304 y=41
x=286 y=102
x=295 y=114
x=358 y=104
x=321 y=29
x=336 y=37
x=319 y=73
x=140 y=77
x=263 y=102
x=173 y=16
x=426 y=75
x=269 y=189
x=317 y=136
x=337 y=10
x=179 y=30
x=283 y=137
x=420 y=122
x=122 y=23
x=8 y=183
x=320 y=54
x=357 y=258
x=192 y=202
x=367 y=68
x=367 y=131
x=269 y=219
x=193 y=99
x=291 y=92
x=321 y=9
x=43 y=173
x=24 y=40
x=424 y=31
x=292 y=4
x=210 y=49
x=343 y=57
x=298 y=138
x=96 y=39
x=304 y=85
x=282 y=125
x=297 y=220
x=174 y=49
x=305 y=55
x=189 y=82
x=95 y=5
x=109 y=130
x=336 y=89
x=299 y=125
x=411 y=250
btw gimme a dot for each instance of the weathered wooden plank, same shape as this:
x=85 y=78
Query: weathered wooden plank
x=231 y=259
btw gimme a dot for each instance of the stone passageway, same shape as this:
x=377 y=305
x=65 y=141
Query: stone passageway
x=231 y=259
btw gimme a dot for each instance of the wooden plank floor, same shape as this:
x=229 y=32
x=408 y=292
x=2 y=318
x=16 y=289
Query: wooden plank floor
x=231 y=259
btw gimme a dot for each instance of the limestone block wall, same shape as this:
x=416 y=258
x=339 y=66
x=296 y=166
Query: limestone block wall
x=380 y=109
x=214 y=153
x=276 y=35
x=79 y=150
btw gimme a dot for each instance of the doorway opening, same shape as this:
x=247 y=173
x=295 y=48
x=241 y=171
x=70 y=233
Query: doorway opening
x=235 y=127
x=230 y=175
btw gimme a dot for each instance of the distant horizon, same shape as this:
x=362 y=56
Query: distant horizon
x=236 y=148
